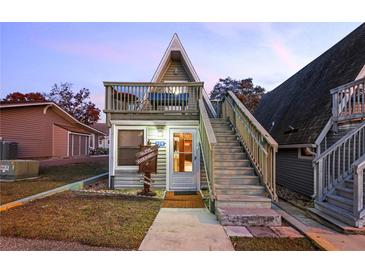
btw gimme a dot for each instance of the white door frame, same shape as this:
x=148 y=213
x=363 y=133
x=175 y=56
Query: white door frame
x=196 y=160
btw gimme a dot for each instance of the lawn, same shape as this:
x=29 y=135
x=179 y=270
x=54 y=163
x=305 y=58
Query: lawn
x=272 y=244
x=106 y=221
x=50 y=177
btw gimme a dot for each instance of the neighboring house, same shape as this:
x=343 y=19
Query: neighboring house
x=316 y=117
x=102 y=140
x=44 y=130
x=196 y=149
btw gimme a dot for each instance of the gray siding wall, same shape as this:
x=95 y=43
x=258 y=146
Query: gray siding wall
x=294 y=173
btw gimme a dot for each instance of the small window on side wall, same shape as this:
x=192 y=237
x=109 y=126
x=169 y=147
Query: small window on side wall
x=306 y=153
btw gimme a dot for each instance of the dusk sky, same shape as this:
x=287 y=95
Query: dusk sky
x=34 y=56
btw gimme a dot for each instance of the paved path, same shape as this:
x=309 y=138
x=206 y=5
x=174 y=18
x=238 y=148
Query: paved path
x=325 y=237
x=186 y=229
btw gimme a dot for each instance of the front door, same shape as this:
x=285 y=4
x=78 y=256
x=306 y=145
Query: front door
x=183 y=160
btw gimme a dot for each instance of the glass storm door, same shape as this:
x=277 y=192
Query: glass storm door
x=183 y=159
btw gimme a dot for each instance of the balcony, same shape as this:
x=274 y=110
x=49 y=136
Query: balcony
x=348 y=101
x=152 y=98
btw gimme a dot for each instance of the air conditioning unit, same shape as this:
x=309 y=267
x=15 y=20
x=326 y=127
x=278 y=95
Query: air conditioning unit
x=8 y=150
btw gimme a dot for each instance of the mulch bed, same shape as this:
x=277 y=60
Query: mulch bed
x=294 y=198
x=272 y=244
x=116 y=222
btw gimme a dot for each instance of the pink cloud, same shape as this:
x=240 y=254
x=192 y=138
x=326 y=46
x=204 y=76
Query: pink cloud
x=278 y=46
x=128 y=52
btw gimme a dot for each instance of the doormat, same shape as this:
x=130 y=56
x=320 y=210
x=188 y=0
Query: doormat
x=193 y=200
x=185 y=193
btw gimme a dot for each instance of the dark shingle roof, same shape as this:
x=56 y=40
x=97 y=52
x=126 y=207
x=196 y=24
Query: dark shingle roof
x=304 y=101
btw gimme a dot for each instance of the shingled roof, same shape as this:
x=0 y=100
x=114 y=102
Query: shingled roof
x=303 y=102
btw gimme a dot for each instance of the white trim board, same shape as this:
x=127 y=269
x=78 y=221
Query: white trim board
x=155 y=122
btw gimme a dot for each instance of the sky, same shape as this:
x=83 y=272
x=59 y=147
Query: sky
x=35 y=56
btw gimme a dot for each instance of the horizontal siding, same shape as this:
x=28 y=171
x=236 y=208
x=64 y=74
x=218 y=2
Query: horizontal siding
x=160 y=177
x=31 y=129
x=181 y=74
x=293 y=173
x=60 y=142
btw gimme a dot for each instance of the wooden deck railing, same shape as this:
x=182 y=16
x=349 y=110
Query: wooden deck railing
x=348 y=101
x=125 y=97
x=358 y=169
x=259 y=145
x=208 y=142
x=335 y=164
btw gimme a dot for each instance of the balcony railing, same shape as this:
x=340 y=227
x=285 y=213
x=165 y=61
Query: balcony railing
x=348 y=101
x=152 y=97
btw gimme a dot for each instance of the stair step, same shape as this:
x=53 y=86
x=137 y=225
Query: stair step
x=242 y=201
x=234 y=171
x=228 y=150
x=237 y=180
x=232 y=163
x=248 y=216
x=219 y=121
x=339 y=201
x=222 y=129
x=346 y=192
x=253 y=190
x=228 y=144
x=336 y=212
x=230 y=156
x=226 y=138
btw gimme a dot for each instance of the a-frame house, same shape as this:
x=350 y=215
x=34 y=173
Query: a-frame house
x=232 y=156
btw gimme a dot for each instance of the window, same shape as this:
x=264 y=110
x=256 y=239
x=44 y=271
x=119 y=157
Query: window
x=306 y=153
x=183 y=152
x=129 y=142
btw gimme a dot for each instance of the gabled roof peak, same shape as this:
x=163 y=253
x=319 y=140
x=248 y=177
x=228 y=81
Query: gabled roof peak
x=175 y=45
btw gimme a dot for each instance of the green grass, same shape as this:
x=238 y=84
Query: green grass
x=272 y=244
x=97 y=220
x=50 y=177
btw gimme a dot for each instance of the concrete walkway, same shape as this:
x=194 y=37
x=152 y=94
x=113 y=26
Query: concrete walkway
x=323 y=236
x=186 y=229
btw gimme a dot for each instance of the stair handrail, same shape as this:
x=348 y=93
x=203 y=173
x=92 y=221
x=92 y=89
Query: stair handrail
x=206 y=99
x=258 y=143
x=358 y=200
x=334 y=165
x=339 y=142
x=208 y=142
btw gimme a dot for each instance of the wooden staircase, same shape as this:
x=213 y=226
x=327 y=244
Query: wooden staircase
x=240 y=165
x=236 y=184
x=339 y=177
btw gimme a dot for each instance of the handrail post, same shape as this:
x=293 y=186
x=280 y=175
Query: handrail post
x=358 y=190
x=319 y=175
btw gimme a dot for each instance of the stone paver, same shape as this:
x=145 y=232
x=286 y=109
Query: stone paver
x=323 y=236
x=237 y=231
x=286 y=232
x=186 y=229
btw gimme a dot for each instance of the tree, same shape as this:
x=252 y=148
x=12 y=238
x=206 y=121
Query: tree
x=76 y=104
x=248 y=93
x=18 y=97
